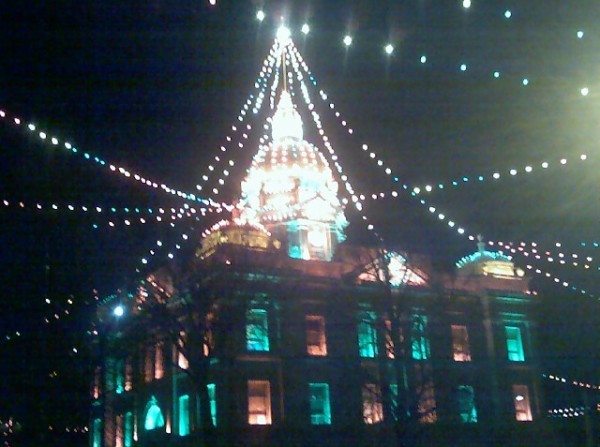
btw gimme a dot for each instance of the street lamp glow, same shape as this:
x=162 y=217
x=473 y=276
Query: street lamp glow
x=466 y=4
x=585 y=91
x=260 y=15
x=118 y=311
x=283 y=34
x=389 y=49
x=348 y=40
x=305 y=29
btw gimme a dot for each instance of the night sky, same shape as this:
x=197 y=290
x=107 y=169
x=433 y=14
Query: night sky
x=154 y=87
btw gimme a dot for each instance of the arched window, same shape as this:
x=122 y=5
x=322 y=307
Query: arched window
x=154 y=417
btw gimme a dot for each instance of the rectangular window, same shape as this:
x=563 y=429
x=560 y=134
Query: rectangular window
x=97 y=433
x=184 y=415
x=257 y=330
x=372 y=406
x=119 y=431
x=522 y=403
x=212 y=398
x=259 y=402
x=425 y=393
x=320 y=409
x=514 y=344
x=149 y=364
x=367 y=334
x=465 y=396
x=182 y=361
x=128 y=374
x=419 y=341
x=128 y=432
x=461 y=350
x=395 y=400
x=96 y=386
x=159 y=365
x=316 y=343
x=119 y=376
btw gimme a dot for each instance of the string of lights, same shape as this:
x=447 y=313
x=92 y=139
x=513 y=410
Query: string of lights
x=530 y=249
x=114 y=168
x=260 y=84
x=461 y=66
x=575 y=383
x=296 y=62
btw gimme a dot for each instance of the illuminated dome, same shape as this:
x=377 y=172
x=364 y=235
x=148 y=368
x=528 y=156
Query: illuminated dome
x=291 y=190
x=488 y=263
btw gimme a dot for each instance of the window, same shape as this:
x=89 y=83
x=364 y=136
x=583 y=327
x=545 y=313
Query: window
x=128 y=432
x=182 y=361
x=119 y=376
x=259 y=402
x=425 y=393
x=96 y=386
x=212 y=399
x=419 y=342
x=367 y=335
x=97 y=433
x=316 y=343
x=522 y=403
x=461 y=350
x=257 y=330
x=149 y=364
x=372 y=406
x=320 y=410
x=184 y=415
x=128 y=385
x=465 y=397
x=159 y=367
x=514 y=344
x=395 y=400
x=154 y=417
x=119 y=431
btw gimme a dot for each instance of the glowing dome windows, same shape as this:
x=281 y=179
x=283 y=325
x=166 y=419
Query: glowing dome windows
x=488 y=263
x=291 y=190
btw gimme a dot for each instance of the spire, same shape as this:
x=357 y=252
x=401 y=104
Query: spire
x=286 y=122
x=480 y=243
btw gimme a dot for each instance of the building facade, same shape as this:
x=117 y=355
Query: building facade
x=279 y=333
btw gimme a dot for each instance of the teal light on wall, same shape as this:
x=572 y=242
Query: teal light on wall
x=184 y=415
x=514 y=344
x=320 y=407
x=128 y=431
x=367 y=334
x=257 y=330
x=212 y=397
x=466 y=404
x=154 y=417
x=419 y=341
x=97 y=433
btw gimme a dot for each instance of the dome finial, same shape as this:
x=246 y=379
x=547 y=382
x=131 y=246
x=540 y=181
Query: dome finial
x=480 y=243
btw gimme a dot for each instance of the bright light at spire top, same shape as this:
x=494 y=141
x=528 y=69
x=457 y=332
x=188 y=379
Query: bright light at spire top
x=283 y=34
x=260 y=15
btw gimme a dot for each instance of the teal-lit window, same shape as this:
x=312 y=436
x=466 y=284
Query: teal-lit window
x=184 y=415
x=320 y=409
x=395 y=400
x=97 y=433
x=128 y=438
x=257 y=330
x=154 y=418
x=367 y=334
x=119 y=376
x=514 y=344
x=419 y=342
x=465 y=397
x=212 y=399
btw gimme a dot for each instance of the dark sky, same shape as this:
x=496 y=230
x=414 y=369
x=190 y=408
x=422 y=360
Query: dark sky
x=155 y=86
